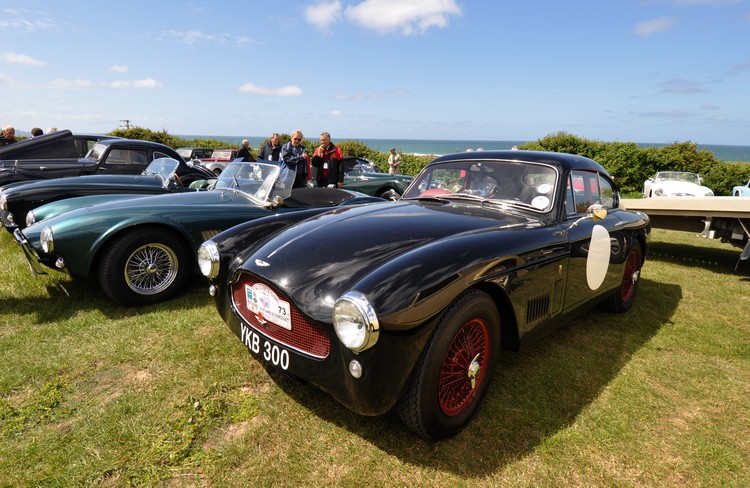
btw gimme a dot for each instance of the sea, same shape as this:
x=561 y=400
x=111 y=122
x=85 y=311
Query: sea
x=447 y=146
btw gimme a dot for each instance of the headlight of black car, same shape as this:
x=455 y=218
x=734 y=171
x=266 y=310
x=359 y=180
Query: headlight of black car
x=355 y=321
x=208 y=259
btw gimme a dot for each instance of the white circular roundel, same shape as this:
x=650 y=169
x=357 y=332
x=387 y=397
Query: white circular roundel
x=597 y=261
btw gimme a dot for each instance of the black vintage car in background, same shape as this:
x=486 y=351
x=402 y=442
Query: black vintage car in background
x=406 y=304
x=107 y=156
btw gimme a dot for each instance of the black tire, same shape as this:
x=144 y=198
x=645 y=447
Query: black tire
x=217 y=171
x=452 y=375
x=623 y=297
x=145 y=266
x=390 y=194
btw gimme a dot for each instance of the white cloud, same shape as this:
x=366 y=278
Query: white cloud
x=648 y=27
x=118 y=68
x=25 y=21
x=681 y=86
x=336 y=113
x=408 y=17
x=10 y=57
x=193 y=37
x=147 y=83
x=6 y=80
x=284 y=91
x=355 y=98
x=74 y=84
x=323 y=14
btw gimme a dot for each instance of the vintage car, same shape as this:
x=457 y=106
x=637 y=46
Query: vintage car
x=108 y=156
x=363 y=176
x=56 y=145
x=191 y=153
x=675 y=184
x=163 y=175
x=142 y=248
x=405 y=304
x=219 y=160
x=741 y=191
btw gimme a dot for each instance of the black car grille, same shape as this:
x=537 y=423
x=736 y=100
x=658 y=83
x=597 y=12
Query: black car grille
x=306 y=336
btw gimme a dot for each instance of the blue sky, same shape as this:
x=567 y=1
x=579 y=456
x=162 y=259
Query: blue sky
x=621 y=70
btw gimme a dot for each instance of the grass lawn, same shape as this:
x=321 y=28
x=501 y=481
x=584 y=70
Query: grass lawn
x=91 y=393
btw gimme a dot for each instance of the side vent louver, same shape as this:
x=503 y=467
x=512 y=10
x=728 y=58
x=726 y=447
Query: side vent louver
x=537 y=308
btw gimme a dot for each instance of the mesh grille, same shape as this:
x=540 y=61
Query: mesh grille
x=306 y=336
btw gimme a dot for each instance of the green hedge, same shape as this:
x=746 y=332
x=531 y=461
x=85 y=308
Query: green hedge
x=629 y=164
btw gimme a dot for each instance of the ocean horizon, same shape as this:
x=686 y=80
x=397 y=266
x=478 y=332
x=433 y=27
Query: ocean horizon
x=438 y=147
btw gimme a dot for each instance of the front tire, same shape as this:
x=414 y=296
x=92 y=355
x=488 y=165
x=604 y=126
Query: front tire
x=623 y=297
x=145 y=266
x=455 y=369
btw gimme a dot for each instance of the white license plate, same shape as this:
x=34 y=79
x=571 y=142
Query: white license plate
x=264 y=349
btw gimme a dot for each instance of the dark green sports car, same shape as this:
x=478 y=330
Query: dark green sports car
x=142 y=248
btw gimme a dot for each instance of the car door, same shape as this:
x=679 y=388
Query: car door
x=596 y=246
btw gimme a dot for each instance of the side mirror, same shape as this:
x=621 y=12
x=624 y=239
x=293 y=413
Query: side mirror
x=597 y=212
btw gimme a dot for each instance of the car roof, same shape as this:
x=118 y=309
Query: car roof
x=564 y=161
x=134 y=143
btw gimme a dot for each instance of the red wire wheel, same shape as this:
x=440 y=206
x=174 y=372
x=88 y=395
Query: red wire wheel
x=464 y=367
x=630 y=276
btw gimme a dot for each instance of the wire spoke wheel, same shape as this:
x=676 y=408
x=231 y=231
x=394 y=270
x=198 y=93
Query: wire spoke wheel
x=463 y=368
x=151 y=268
x=630 y=276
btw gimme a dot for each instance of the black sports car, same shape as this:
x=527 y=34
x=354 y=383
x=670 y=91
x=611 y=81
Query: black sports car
x=107 y=156
x=407 y=303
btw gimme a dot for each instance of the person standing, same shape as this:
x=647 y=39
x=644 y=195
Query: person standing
x=244 y=151
x=272 y=150
x=294 y=158
x=394 y=162
x=36 y=132
x=327 y=161
x=8 y=135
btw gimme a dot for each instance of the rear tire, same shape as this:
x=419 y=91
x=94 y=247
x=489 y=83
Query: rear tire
x=622 y=299
x=452 y=375
x=145 y=266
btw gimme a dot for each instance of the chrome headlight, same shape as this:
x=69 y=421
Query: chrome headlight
x=208 y=259
x=355 y=321
x=3 y=201
x=658 y=192
x=47 y=240
x=30 y=218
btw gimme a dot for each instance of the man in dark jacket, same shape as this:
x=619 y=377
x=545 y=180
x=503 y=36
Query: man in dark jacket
x=8 y=135
x=272 y=150
x=327 y=162
x=244 y=151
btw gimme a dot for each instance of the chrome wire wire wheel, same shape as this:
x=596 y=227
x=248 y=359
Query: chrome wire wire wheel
x=151 y=268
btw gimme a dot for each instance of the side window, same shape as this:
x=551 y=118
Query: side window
x=585 y=190
x=158 y=155
x=607 y=193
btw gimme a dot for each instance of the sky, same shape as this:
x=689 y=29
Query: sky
x=656 y=71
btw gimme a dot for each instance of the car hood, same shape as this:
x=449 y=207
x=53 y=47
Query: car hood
x=81 y=182
x=191 y=202
x=317 y=260
x=677 y=188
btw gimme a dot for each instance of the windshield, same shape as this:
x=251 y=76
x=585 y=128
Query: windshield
x=257 y=181
x=97 y=151
x=678 y=176
x=163 y=168
x=222 y=154
x=530 y=185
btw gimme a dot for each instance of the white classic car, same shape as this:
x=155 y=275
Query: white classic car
x=741 y=191
x=675 y=184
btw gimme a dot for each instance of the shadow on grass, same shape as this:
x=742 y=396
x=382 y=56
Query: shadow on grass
x=68 y=297
x=536 y=392
x=714 y=259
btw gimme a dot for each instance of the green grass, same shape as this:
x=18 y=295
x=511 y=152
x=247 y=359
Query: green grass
x=91 y=393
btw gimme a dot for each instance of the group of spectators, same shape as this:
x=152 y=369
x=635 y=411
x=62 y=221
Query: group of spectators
x=8 y=135
x=324 y=166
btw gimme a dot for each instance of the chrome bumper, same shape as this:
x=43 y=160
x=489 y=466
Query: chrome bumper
x=31 y=255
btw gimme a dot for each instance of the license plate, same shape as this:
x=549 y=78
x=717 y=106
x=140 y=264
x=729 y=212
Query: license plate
x=263 y=349
x=267 y=306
